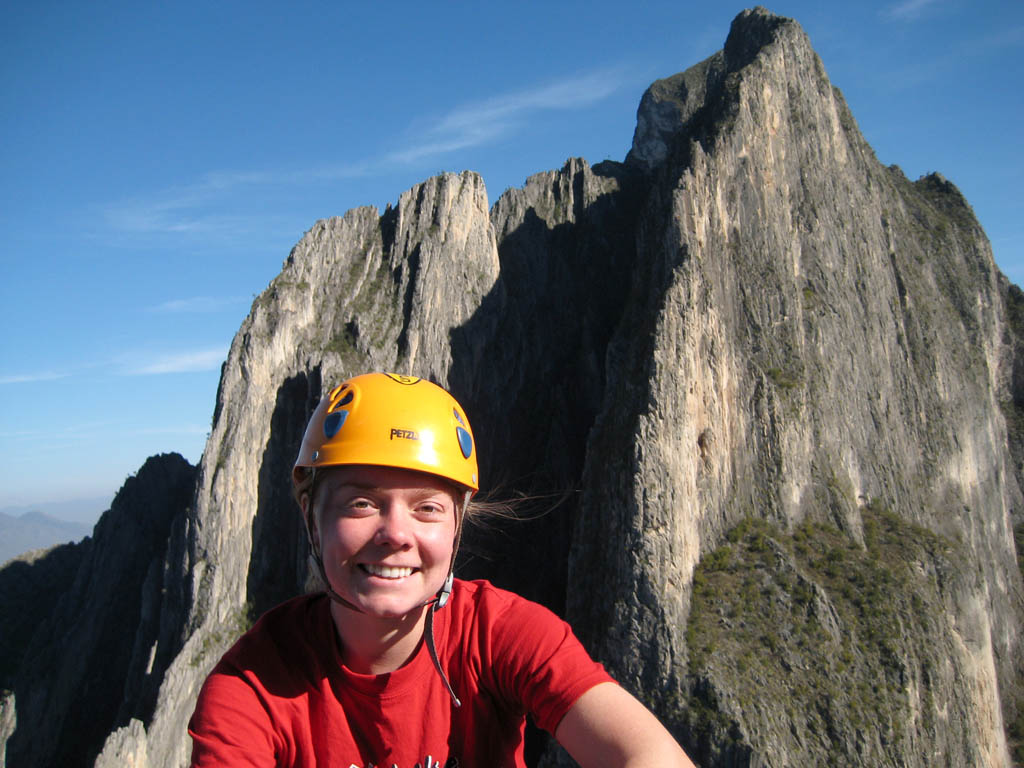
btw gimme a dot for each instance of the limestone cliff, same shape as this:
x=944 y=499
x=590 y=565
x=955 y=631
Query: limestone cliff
x=761 y=384
x=825 y=337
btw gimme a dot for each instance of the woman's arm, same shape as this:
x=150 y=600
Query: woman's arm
x=608 y=727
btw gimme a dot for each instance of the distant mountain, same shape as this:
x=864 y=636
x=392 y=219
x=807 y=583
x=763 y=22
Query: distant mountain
x=86 y=510
x=35 y=530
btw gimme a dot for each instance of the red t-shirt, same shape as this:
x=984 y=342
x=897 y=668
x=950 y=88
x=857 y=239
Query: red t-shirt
x=281 y=696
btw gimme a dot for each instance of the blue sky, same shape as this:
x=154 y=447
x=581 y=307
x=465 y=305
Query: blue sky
x=159 y=161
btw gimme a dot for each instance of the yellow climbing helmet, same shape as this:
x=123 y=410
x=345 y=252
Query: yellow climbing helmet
x=389 y=420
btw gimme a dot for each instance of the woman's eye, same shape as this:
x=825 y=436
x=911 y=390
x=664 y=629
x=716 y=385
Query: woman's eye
x=359 y=506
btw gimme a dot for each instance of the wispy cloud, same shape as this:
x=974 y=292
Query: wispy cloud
x=66 y=429
x=182 y=429
x=195 y=209
x=197 y=305
x=199 y=209
x=207 y=359
x=202 y=359
x=1007 y=37
x=180 y=216
x=21 y=434
x=946 y=60
x=69 y=433
x=31 y=378
x=481 y=122
x=908 y=10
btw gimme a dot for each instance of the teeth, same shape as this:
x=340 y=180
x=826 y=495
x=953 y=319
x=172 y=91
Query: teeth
x=387 y=571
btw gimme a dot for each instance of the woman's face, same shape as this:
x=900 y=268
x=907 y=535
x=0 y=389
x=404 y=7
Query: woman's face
x=386 y=536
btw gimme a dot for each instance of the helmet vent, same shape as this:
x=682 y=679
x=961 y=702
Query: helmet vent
x=333 y=423
x=465 y=442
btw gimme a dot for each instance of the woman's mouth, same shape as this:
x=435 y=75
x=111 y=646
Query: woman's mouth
x=386 y=571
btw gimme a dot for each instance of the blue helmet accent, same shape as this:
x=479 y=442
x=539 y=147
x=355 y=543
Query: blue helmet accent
x=465 y=442
x=333 y=423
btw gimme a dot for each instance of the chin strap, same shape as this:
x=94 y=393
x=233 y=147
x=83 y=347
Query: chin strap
x=441 y=600
x=437 y=604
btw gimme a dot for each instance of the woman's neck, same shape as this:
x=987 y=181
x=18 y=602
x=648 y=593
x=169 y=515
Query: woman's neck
x=371 y=645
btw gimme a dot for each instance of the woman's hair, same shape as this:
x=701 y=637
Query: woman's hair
x=479 y=511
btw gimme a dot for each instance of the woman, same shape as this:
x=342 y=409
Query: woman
x=399 y=664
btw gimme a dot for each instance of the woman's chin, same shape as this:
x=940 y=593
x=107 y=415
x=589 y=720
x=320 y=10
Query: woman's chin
x=386 y=608
x=393 y=615
x=387 y=599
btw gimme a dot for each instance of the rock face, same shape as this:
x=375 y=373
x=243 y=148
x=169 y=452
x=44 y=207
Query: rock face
x=85 y=621
x=766 y=391
x=825 y=337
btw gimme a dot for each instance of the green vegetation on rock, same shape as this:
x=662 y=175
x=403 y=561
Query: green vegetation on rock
x=217 y=640
x=839 y=635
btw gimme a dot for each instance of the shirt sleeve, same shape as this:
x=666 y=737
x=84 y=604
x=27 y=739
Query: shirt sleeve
x=539 y=663
x=230 y=726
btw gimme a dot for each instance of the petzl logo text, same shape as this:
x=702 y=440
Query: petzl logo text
x=404 y=434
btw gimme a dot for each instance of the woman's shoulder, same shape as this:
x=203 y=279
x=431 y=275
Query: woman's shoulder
x=281 y=634
x=521 y=652
x=482 y=600
x=295 y=615
x=481 y=591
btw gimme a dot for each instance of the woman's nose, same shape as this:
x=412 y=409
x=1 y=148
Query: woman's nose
x=395 y=528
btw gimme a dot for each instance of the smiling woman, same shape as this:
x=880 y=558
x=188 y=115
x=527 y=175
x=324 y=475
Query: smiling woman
x=373 y=672
x=386 y=536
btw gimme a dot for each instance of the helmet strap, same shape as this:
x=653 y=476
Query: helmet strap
x=443 y=594
x=428 y=633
